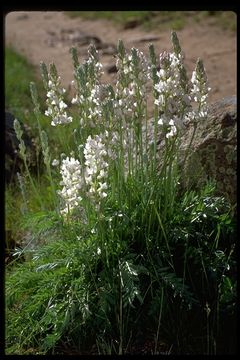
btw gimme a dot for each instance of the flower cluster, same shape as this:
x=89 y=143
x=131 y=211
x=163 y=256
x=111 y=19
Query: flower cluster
x=172 y=101
x=111 y=120
x=72 y=182
x=175 y=93
x=96 y=167
x=200 y=90
x=56 y=106
x=92 y=176
x=132 y=67
x=131 y=98
x=19 y=134
x=89 y=92
x=133 y=74
x=111 y=140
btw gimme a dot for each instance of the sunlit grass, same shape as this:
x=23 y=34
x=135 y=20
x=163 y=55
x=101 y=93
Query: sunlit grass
x=150 y=20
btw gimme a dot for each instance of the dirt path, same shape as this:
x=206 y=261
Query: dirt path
x=48 y=36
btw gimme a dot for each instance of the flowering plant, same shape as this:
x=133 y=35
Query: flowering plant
x=124 y=233
x=113 y=123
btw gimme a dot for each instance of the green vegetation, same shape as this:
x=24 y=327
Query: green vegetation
x=66 y=293
x=150 y=20
x=18 y=74
x=147 y=260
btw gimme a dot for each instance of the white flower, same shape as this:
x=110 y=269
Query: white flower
x=173 y=129
x=96 y=166
x=102 y=194
x=193 y=79
x=174 y=92
x=55 y=103
x=200 y=87
x=62 y=105
x=101 y=188
x=161 y=73
x=172 y=132
x=48 y=112
x=72 y=183
x=55 y=162
x=102 y=174
x=61 y=119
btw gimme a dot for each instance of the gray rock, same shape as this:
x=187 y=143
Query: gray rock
x=131 y=24
x=214 y=149
x=213 y=153
x=111 y=68
x=145 y=38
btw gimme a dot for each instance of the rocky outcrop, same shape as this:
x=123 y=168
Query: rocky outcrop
x=79 y=39
x=213 y=152
x=214 y=149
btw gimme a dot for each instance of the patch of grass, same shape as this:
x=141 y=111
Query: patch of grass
x=226 y=19
x=150 y=20
x=66 y=294
x=18 y=74
x=147 y=19
x=118 y=16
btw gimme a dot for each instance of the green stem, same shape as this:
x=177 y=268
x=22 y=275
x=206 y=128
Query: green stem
x=32 y=183
x=121 y=321
x=52 y=185
x=159 y=321
x=155 y=138
x=165 y=236
x=190 y=144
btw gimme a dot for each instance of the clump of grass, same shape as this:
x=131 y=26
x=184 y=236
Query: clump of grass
x=68 y=293
x=147 y=19
x=120 y=17
x=227 y=20
x=123 y=248
x=150 y=20
x=18 y=74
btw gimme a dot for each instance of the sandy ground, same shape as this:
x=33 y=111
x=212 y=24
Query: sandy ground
x=48 y=35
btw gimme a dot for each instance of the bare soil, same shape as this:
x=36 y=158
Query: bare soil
x=48 y=35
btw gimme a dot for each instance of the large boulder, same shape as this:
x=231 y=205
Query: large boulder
x=213 y=152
